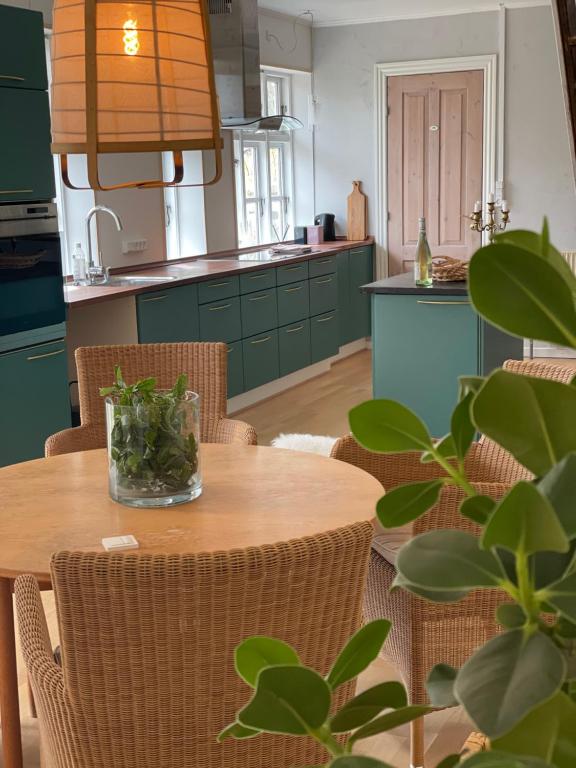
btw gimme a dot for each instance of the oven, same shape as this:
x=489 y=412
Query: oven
x=31 y=284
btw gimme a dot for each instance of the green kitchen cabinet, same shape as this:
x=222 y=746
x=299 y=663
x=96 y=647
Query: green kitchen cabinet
x=220 y=288
x=258 y=281
x=324 y=265
x=323 y=294
x=324 y=336
x=292 y=273
x=293 y=302
x=259 y=312
x=27 y=168
x=361 y=266
x=220 y=320
x=261 y=362
x=235 y=369
x=344 y=309
x=294 y=347
x=169 y=315
x=22 y=50
x=36 y=400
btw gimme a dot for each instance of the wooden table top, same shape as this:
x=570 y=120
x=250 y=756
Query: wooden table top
x=252 y=496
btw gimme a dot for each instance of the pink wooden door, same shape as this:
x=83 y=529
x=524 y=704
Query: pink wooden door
x=434 y=163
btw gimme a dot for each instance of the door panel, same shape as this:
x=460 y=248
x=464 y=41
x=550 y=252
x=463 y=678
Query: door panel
x=434 y=163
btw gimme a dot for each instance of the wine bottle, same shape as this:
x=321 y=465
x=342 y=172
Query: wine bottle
x=422 y=257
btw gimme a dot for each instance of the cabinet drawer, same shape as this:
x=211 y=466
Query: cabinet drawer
x=293 y=302
x=322 y=266
x=257 y=281
x=22 y=51
x=294 y=347
x=324 y=336
x=220 y=288
x=344 y=307
x=167 y=316
x=260 y=359
x=361 y=273
x=291 y=273
x=365 y=251
x=323 y=294
x=235 y=369
x=220 y=321
x=259 y=312
x=36 y=400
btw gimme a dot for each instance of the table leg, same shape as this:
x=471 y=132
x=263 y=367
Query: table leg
x=9 y=707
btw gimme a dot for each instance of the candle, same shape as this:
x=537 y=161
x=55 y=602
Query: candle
x=477 y=206
x=491 y=197
x=505 y=208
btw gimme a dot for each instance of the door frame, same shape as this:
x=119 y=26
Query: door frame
x=487 y=64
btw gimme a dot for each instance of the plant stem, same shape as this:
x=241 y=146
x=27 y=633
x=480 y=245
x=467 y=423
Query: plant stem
x=456 y=475
x=525 y=588
x=324 y=737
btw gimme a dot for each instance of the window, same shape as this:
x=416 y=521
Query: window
x=264 y=178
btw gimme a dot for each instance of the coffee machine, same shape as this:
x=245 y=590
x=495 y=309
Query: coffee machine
x=326 y=220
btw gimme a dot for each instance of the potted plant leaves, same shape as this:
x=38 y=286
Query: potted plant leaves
x=153 y=442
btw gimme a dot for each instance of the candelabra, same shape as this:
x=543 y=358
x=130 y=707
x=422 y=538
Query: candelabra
x=493 y=222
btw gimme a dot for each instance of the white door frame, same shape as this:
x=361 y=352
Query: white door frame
x=488 y=65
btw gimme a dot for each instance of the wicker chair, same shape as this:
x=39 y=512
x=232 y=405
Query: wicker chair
x=204 y=363
x=425 y=634
x=147 y=677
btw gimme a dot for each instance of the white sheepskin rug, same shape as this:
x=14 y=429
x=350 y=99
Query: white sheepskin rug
x=310 y=443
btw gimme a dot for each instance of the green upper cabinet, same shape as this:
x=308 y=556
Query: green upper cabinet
x=361 y=273
x=170 y=315
x=22 y=50
x=26 y=168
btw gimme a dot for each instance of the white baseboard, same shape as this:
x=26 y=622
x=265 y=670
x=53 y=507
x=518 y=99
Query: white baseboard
x=247 y=399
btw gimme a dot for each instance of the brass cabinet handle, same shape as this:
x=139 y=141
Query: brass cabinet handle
x=155 y=298
x=14 y=191
x=260 y=298
x=443 y=303
x=325 y=319
x=257 y=277
x=12 y=77
x=220 y=308
x=325 y=261
x=230 y=349
x=321 y=282
x=261 y=341
x=47 y=354
x=293 y=269
x=292 y=290
x=295 y=330
x=219 y=285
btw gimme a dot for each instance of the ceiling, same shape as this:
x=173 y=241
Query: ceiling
x=328 y=12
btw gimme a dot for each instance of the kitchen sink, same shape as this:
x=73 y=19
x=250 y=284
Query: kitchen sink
x=137 y=279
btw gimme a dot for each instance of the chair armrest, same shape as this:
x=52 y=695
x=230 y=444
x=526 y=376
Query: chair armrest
x=232 y=431
x=81 y=438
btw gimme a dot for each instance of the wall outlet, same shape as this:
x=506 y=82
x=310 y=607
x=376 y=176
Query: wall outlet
x=134 y=246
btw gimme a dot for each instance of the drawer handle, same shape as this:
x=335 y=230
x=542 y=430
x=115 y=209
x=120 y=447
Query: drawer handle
x=14 y=191
x=220 y=308
x=295 y=330
x=293 y=269
x=47 y=354
x=325 y=261
x=261 y=341
x=258 y=277
x=321 y=282
x=230 y=349
x=325 y=319
x=259 y=298
x=12 y=77
x=292 y=290
x=155 y=298
x=219 y=285
x=444 y=303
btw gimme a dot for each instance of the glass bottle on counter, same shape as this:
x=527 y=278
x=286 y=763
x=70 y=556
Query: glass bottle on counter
x=422 y=257
x=78 y=265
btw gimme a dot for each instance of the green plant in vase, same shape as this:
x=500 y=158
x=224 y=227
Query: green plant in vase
x=519 y=688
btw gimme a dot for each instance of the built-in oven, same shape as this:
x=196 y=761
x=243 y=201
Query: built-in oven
x=31 y=285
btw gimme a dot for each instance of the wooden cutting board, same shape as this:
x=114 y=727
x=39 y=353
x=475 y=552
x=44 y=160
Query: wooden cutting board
x=357 y=213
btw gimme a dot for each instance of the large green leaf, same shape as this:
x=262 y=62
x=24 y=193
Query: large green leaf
x=444 y=447
x=237 y=731
x=503 y=760
x=562 y=596
x=461 y=426
x=510 y=615
x=287 y=699
x=547 y=732
x=256 y=653
x=525 y=521
x=478 y=508
x=507 y=678
x=559 y=487
x=388 y=721
x=368 y=705
x=357 y=761
x=386 y=426
x=534 y=419
x=359 y=652
x=440 y=686
x=406 y=503
x=523 y=294
x=431 y=595
x=448 y=561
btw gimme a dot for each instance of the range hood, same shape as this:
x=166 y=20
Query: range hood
x=236 y=53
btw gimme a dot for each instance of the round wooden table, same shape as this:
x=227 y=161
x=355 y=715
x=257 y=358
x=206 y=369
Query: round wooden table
x=252 y=496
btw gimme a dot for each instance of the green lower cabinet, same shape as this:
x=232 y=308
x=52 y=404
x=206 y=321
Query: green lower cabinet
x=170 y=315
x=220 y=320
x=235 y=369
x=36 y=400
x=259 y=312
x=345 y=320
x=294 y=347
x=220 y=288
x=293 y=302
x=323 y=294
x=261 y=363
x=324 y=336
x=258 y=281
x=361 y=267
x=292 y=273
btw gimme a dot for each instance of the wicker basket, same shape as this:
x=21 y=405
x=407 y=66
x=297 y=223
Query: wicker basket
x=449 y=269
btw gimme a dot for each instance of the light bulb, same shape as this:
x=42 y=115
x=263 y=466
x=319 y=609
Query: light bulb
x=130 y=38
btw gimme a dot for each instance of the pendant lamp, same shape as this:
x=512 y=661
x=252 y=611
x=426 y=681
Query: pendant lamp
x=133 y=77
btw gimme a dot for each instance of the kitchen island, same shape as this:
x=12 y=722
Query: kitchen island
x=424 y=339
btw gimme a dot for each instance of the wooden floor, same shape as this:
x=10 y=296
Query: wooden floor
x=319 y=406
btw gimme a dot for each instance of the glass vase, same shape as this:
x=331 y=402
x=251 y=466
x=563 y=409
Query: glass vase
x=154 y=451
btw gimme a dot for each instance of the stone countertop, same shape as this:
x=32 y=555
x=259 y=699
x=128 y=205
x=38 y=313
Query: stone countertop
x=404 y=284
x=194 y=270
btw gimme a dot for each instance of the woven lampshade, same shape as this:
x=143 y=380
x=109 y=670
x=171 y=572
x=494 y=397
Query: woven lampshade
x=132 y=77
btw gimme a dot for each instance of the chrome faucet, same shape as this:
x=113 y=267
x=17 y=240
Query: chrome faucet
x=92 y=212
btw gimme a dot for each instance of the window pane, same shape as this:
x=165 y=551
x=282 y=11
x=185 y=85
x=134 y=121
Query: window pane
x=250 y=171
x=273 y=97
x=278 y=219
x=252 y=214
x=276 y=171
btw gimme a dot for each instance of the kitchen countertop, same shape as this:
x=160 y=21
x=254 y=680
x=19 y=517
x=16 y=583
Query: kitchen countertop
x=404 y=284
x=194 y=270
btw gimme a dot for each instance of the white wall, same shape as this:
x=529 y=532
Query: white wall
x=538 y=163
x=284 y=42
